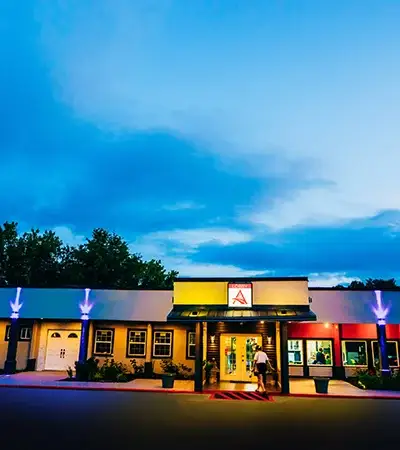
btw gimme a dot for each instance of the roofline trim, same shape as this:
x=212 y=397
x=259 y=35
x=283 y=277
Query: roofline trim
x=238 y=279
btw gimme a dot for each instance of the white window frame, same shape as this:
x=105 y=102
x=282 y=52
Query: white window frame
x=189 y=345
x=21 y=336
x=138 y=355
x=102 y=342
x=344 y=352
x=388 y=341
x=23 y=332
x=163 y=343
x=300 y=363
x=307 y=356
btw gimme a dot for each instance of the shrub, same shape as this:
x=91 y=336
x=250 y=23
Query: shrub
x=70 y=372
x=372 y=379
x=114 y=371
x=181 y=371
x=85 y=371
x=138 y=369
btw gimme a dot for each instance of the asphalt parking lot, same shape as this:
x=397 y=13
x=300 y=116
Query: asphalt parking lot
x=65 y=419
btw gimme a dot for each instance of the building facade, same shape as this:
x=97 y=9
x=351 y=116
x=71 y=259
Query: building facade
x=306 y=332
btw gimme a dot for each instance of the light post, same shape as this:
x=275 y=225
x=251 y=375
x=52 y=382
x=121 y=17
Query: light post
x=381 y=313
x=10 y=365
x=85 y=308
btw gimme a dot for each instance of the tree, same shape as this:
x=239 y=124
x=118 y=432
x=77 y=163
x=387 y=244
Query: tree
x=372 y=284
x=104 y=262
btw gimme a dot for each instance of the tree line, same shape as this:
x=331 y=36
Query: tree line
x=372 y=284
x=104 y=261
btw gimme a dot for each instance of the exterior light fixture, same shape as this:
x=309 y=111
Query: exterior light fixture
x=86 y=307
x=262 y=321
x=16 y=305
x=269 y=340
x=212 y=339
x=326 y=325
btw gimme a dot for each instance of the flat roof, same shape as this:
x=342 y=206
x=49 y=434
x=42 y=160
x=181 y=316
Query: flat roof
x=239 y=279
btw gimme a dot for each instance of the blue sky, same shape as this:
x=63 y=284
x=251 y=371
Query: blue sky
x=224 y=137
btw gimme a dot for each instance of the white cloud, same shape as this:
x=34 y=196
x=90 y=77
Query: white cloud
x=329 y=279
x=188 y=240
x=68 y=236
x=182 y=206
x=143 y=71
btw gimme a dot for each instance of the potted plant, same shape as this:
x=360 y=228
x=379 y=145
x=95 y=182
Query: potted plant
x=170 y=370
x=321 y=385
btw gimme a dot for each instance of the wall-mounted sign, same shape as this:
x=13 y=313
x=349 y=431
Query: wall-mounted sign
x=240 y=295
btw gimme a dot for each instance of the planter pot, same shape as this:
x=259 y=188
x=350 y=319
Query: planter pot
x=168 y=380
x=321 y=385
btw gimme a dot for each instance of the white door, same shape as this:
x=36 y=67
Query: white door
x=62 y=349
x=237 y=355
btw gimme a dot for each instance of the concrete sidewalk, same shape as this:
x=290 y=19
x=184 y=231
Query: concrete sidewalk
x=300 y=387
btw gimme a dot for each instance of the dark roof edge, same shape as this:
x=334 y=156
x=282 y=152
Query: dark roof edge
x=316 y=288
x=240 y=279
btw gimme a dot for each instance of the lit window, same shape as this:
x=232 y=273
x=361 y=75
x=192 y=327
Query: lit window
x=136 y=343
x=319 y=352
x=191 y=344
x=295 y=352
x=25 y=333
x=392 y=352
x=162 y=344
x=103 y=342
x=354 y=353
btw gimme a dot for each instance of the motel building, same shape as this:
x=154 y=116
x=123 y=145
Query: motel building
x=213 y=319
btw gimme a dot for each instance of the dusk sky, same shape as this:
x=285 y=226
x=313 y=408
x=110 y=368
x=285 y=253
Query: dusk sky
x=224 y=137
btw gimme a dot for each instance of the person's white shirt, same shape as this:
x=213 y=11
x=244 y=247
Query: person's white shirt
x=260 y=357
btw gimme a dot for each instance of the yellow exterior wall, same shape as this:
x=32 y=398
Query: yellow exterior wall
x=280 y=292
x=44 y=331
x=267 y=292
x=3 y=343
x=22 y=350
x=120 y=344
x=200 y=293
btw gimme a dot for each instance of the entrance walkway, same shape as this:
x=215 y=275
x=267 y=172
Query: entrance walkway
x=298 y=387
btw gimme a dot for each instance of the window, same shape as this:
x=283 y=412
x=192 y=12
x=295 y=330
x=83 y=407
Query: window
x=295 y=352
x=319 y=352
x=103 y=342
x=354 y=353
x=25 y=333
x=191 y=345
x=162 y=344
x=72 y=336
x=136 y=343
x=392 y=351
x=56 y=335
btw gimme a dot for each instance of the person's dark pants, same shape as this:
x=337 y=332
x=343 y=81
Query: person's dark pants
x=262 y=370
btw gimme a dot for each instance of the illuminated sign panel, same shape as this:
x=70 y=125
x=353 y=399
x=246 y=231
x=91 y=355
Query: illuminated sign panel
x=240 y=295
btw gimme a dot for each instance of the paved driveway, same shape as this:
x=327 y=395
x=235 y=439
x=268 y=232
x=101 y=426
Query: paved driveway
x=60 y=419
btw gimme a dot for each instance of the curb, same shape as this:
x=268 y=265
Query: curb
x=91 y=388
x=341 y=396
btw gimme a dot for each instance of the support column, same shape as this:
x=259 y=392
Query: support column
x=284 y=358
x=10 y=365
x=338 y=369
x=83 y=348
x=198 y=367
x=204 y=341
x=383 y=356
x=148 y=364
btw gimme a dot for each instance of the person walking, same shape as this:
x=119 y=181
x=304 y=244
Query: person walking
x=260 y=369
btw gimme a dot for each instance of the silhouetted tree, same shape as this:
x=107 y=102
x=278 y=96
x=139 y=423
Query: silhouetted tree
x=103 y=261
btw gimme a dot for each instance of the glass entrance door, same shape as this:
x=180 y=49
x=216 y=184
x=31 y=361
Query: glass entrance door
x=237 y=355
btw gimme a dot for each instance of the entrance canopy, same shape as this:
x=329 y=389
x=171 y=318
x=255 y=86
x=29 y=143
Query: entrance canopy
x=218 y=313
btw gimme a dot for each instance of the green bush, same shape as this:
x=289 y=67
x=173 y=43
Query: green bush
x=85 y=371
x=181 y=371
x=372 y=379
x=113 y=371
x=138 y=369
x=110 y=371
